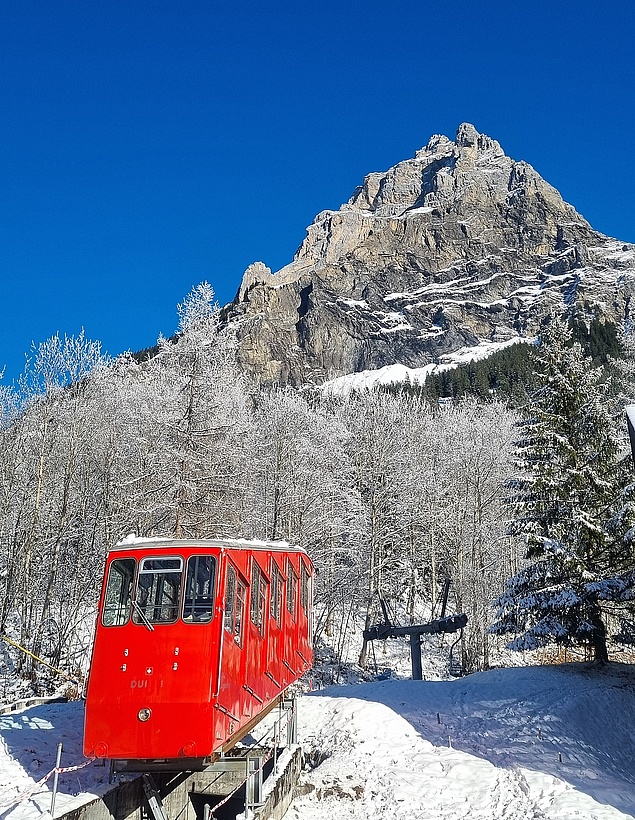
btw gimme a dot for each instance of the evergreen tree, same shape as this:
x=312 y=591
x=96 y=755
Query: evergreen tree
x=572 y=505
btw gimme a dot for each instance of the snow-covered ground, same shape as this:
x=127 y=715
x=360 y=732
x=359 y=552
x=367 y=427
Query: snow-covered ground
x=28 y=749
x=533 y=742
x=525 y=742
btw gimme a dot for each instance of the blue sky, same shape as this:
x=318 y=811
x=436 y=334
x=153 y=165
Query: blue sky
x=146 y=145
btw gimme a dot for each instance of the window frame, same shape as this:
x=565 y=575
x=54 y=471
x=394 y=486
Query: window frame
x=131 y=592
x=192 y=618
x=277 y=593
x=241 y=602
x=305 y=594
x=236 y=595
x=258 y=597
x=140 y=614
x=292 y=591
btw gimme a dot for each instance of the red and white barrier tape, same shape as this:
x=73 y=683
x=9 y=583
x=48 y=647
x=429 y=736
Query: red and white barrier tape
x=20 y=798
x=64 y=769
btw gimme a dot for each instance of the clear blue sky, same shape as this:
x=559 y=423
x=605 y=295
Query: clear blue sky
x=148 y=145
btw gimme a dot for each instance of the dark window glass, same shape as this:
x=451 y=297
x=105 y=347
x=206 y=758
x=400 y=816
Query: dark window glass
x=161 y=564
x=258 y=606
x=306 y=598
x=255 y=584
x=118 y=596
x=235 y=597
x=230 y=599
x=158 y=591
x=277 y=591
x=292 y=589
x=262 y=603
x=304 y=587
x=198 y=602
x=241 y=598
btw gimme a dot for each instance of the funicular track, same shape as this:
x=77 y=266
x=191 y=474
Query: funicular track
x=256 y=776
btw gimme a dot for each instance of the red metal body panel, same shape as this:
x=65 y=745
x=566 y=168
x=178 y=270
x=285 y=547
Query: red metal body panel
x=200 y=682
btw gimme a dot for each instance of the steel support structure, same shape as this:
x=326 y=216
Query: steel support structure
x=451 y=623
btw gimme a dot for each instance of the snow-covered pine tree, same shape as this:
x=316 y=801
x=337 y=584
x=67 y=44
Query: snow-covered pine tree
x=572 y=503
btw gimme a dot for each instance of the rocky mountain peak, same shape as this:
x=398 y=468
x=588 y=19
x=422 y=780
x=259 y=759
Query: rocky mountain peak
x=468 y=137
x=437 y=168
x=456 y=247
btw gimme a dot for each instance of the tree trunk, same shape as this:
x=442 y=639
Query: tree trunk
x=598 y=640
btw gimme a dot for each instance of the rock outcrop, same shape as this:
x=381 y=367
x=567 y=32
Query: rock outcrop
x=457 y=246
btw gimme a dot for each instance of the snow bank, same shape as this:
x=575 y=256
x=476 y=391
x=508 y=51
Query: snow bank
x=539 y=742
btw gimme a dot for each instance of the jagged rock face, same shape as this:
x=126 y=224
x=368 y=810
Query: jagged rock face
x=457 y=246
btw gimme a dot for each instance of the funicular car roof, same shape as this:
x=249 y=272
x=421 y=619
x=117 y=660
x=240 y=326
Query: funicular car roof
x=133 y=543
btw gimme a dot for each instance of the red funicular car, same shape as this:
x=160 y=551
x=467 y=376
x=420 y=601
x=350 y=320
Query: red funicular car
x=195 y=640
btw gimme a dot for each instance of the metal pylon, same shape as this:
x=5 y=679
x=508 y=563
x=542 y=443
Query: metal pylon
x=153 y=798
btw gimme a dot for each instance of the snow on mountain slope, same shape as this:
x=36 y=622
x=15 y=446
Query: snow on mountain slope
x=552 y=742
x=399 y=373
x=455 y=247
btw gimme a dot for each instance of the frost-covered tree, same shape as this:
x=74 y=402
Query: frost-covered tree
x=477 y=553
x=200 y=424
x=378 y=438
x=572 y=504
x=302 y=490
x=46 y=491
x=431 y=486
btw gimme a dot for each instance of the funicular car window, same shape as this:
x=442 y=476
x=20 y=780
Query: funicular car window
x=235 y=597
x=304 y=587
x=158 y=590
x=258 y=606
x=277 y=590
x=116 y=611
x=292 y=588
x=306 y=598
x=198 y=601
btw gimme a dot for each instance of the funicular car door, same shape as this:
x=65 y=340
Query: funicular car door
x=233 y=663
x=288 y=655
x=275 y=647
x=256 y=684
x=304 y=645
